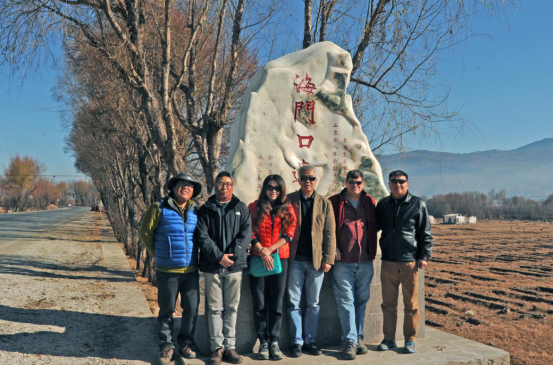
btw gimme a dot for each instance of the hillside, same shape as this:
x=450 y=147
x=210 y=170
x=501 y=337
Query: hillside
x=525 y=171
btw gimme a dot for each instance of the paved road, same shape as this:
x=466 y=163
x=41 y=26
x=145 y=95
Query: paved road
x=68 y=295
x=22 y=228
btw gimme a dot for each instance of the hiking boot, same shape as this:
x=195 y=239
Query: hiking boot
x=185 y=349
x=386 y=344
x=275 y=352
x=296 y=350
x=263 y=352
x=165 y=355
x=409 y=347
x=361 y=349
x=349 y=351
x=312 y=348
x=215 y=357
x=232 y=356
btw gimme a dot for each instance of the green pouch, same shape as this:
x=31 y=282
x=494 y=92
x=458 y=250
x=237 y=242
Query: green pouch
x=257 y=268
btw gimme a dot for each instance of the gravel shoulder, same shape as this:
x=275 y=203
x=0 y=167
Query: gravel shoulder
x=69 y=297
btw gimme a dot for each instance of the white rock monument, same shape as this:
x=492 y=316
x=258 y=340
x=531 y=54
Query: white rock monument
x=296 y=111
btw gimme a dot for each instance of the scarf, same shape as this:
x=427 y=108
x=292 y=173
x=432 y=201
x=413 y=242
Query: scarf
x=224 y=198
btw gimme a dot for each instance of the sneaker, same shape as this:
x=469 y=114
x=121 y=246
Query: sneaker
x=386 y=344
x=263 y=352
x=232 y=356
x=275 y=352
x=312 y=348
x=215 y=357
x=349 y=351
x=361 y=349
x=185 y=349
x=165 y=355
x=296 y=350
x=409 y=347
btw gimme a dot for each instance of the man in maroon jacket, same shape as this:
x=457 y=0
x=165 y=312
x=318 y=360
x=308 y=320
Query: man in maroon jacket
x=356 y=234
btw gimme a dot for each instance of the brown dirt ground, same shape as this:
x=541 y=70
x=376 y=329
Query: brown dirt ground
x=492 y=282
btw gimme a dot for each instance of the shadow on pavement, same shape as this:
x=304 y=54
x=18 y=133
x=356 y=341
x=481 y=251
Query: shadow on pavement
x=20 y=266
x=83 y=335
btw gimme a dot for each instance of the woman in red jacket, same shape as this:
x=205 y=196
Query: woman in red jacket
x=273 y=225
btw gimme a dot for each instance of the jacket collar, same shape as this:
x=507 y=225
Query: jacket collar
x=363 y=197
x=169 y=201
x=297 y=194
x=407 y=199
x=211 y=203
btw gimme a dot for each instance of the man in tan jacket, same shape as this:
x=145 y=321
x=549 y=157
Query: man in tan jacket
x=312 y=253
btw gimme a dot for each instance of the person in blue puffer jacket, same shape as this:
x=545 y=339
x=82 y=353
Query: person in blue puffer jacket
x=167 y=233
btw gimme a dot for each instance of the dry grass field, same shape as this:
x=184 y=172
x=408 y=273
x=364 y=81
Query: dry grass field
x=492 y=282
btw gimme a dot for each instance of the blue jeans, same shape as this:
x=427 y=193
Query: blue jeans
x=303 y=278
x=351 y=285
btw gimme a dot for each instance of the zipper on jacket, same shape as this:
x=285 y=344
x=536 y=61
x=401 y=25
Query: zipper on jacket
x=187 y=260
x=170 y=250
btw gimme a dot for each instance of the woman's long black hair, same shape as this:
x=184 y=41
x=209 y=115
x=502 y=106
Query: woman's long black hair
x=281 y=207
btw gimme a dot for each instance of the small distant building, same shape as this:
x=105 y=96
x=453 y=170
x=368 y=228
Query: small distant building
x=457 y=219
x=454 y=219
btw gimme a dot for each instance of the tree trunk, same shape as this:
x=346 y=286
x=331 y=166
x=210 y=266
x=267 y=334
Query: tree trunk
x=307 y=24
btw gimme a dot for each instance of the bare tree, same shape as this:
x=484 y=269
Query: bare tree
x=136 y=39
x=395 y=47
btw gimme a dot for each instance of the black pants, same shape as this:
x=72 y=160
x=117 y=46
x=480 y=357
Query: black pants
x=267 y=297
x=170 y=285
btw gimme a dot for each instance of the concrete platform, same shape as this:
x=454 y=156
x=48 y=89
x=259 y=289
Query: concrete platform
x=437 y=348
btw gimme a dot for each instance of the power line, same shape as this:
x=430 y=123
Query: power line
x=49 y=175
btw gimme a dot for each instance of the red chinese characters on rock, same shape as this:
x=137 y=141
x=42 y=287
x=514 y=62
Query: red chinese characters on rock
x=344 y=154
x=303 y=162
x=304 y=110
x=339 y=167
x=295 y=177
x=305 y=85
x=260 y=172
x=305 y=141
x=308 y=107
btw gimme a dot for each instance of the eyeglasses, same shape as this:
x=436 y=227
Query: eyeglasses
x=183 y=185
x=356 y=182
x=273 y=188
x=221 y=185
x=305 y=178
x=399 y=181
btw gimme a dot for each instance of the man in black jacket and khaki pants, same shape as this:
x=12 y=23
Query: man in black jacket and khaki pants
x=406 y=244
x=223 y=232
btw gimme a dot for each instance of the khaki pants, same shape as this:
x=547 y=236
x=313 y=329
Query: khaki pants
x=394 y=274
x=223 y=297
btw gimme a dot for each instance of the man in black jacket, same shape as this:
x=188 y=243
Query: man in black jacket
x=406 y=244
x=223 y=233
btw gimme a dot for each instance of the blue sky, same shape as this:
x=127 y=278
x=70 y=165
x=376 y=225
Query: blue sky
x=501 y=82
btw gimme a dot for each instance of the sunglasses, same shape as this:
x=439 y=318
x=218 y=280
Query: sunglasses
x=356 y=182
x=399 y=181
x=183 y=185
x=305 y=178
x=273 y=188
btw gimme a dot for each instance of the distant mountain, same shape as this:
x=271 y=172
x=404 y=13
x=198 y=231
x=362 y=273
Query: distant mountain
x=525 y=171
